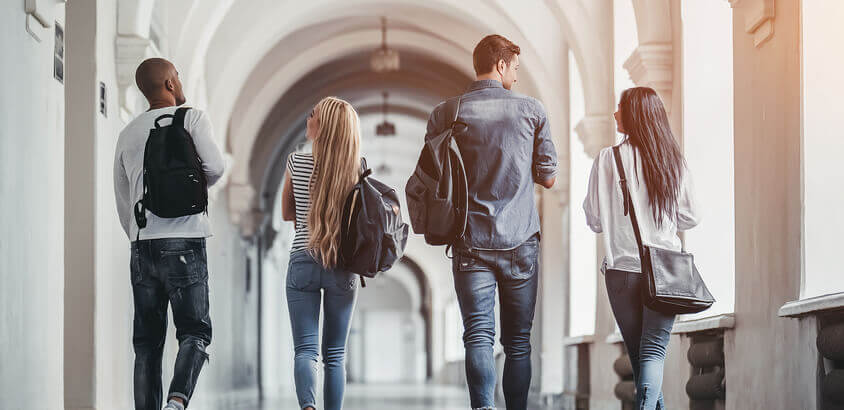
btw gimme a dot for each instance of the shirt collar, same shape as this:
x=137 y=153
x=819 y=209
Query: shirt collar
x=477 y=85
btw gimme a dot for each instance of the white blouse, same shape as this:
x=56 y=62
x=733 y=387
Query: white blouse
x=604 y=208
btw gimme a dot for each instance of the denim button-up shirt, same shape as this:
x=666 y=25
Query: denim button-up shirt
x=506 y=147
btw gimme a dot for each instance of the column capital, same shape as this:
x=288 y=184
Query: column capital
x=595 y=131
x=652 y=65
x=758 y=18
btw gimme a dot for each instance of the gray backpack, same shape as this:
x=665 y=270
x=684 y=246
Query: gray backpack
x=373 y=236
x=437 y=192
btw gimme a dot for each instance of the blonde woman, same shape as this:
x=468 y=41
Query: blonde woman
x=314 y=190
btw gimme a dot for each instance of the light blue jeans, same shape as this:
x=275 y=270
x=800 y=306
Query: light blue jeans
x=307 y=283
x=646 y=334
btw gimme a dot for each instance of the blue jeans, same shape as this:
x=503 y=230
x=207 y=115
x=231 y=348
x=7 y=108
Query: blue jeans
x=305 y=279
x=646 y=334
x=476 y=275
x=170 y=271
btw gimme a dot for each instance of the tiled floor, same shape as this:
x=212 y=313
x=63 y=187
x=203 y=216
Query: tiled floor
x=383 y=397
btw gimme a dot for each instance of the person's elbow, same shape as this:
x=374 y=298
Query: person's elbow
x=214 y=171
x=547 y=182
x=687 y=221
x=545 y=173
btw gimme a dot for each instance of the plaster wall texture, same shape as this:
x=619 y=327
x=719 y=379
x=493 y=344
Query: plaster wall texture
x=32 y=217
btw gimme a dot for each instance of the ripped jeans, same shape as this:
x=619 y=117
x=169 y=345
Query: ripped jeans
x=645 y=332
x=174 y=271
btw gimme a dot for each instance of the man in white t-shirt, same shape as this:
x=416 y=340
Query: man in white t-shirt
x=169 y=260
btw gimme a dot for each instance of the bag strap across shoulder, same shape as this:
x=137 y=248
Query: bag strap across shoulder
x=628 y=201
x=179 y=117
x=456 y=110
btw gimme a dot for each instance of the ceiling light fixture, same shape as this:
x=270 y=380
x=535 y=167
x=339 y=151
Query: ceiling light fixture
x=386 y=128
x=384 y=59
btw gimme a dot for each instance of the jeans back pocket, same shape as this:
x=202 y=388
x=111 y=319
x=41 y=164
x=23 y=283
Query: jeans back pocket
x=302 y=271
x=179 y=267
x=524 y=260
x=616 y=281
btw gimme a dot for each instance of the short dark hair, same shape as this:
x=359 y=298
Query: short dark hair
x=490 y=50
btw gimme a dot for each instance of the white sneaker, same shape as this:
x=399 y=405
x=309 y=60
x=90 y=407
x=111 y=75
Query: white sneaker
x=174 y=405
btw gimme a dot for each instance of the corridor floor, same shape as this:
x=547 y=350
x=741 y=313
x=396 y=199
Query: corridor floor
x=383 y=397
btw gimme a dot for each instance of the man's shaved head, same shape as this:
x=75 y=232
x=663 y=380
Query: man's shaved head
x=158 y=80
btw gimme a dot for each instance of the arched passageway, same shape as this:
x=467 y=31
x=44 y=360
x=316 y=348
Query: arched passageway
x=747 y=86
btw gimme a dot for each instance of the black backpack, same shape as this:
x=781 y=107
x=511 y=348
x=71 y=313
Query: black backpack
x=437 y=192
x=174 y=182
x=373 y=236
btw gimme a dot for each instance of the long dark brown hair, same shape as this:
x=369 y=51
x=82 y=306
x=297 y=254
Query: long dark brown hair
x=646 y=127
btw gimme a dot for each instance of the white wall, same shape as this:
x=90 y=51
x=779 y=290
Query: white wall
x=31 y=213
x=582 y=243
x=823 y=146
x=708 y=140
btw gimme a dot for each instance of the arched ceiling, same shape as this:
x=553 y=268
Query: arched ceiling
x=241 y=56
x=316 y=36
x=414 y=90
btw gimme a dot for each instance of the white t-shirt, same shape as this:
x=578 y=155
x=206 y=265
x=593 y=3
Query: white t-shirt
x=128 y=175
x=604 y=206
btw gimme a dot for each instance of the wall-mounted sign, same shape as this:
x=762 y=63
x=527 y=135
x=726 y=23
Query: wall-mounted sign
x=58 y=54
x=103 y=99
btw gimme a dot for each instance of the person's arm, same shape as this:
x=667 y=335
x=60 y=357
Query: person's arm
x=591 y=203
x=687 y=213
x=544 y=152
x=288 y=203
x=202 y=133
x=121 y=192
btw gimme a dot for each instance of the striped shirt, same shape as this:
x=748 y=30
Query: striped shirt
x=301 y=166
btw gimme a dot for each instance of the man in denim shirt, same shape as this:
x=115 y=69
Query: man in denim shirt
x=506 y=148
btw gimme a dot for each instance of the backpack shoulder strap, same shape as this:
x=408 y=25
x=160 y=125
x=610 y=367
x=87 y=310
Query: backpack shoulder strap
x=179 y=117
x=456 y=110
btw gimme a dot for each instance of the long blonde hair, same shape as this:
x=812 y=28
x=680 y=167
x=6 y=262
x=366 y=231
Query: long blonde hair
x=336 y=151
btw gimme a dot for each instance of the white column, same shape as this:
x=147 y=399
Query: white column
x=80 y=205
x=554 y=258
x=768 y=217
x=652 y=63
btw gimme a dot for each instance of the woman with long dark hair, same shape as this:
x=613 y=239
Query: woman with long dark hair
x=661 y=192
x=313 y=195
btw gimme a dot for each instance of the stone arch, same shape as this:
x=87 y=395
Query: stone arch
x=242 y=191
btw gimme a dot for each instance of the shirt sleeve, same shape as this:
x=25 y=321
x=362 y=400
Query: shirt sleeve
x=290 y=163
x=203 y=137
x=591 y=203
x=687 y=213
x=121 y=192
x=544 y=152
